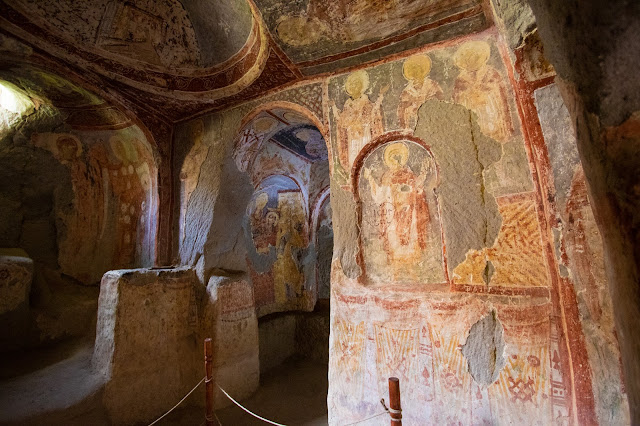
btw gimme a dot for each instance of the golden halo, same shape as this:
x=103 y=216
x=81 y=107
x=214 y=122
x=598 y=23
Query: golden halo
x=119 y=148
x=294 y=117
x=263 y=124
x=472 y=55
x=396 y=154
x=357 y=83
x=69 y=140
x=299 y=30
x=416 y=67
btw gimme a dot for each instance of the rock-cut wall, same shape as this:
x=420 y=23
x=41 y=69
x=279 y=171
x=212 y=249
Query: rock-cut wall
x=444 y=272
x=450 y=269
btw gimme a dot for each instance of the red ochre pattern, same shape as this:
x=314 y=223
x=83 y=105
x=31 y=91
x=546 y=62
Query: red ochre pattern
x=517 y=255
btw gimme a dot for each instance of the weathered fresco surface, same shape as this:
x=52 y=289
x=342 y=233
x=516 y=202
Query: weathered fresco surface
x=83 y=196
x=443 y=238
x=319 y=36
x=162 y=33
x=440 y=225
x=400 y=228
x=111 y=223
x=580 y=255
x=105 y=218
x=278 y=223
x=275 y=174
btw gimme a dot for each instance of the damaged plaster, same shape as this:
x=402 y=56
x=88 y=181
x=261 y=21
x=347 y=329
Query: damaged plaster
x=484 y=350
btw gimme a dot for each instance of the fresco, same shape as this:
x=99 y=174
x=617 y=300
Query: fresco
x=401 y=233
x=132 y=29
x=275 y=159
x=446 y=196
x=479 y=87
x=367 y=103
x=517 y=258
x=303 y=140
x=279 y=232
x=112 y=222
x=358 y=122
x=421 y=346
x=419 y=89
x=287 y=129
x=580 y=254
x=317 y=31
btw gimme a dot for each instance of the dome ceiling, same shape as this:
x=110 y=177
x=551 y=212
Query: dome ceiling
x=167 y=34
x=179 y=58
x=202 y=49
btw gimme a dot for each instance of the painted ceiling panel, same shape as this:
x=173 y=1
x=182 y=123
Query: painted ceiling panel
x=321 y=36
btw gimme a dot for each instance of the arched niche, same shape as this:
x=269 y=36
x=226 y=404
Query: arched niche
x=401 y=241
x=282 y=149
x=86 y=199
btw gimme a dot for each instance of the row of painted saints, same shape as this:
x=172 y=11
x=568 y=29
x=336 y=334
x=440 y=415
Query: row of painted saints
x=111 y=180
x=478 y=87
x=401 y=232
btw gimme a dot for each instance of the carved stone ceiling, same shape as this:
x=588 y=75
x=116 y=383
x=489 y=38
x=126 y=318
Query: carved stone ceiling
x=179 y=58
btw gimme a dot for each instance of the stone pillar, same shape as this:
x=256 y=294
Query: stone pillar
x=147 y=345
x=16 y=275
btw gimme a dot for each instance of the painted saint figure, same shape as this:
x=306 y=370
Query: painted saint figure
x=404 y=211
x=264 y=224
x=479 y=88
x=291 y=238
x=419 y=89
x=359 y=121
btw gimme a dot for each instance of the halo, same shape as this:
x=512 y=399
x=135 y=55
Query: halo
x=394 y=150
x=197 y=128
x=307 y=135
x=472 y=55
x=357 y=77
x=299 y=30
x=416 y=67
x=76 y=142
x=263 y=124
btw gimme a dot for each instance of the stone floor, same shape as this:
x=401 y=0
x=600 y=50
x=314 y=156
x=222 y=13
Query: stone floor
x=52 y=386
x=294 y=393
x=63 y=390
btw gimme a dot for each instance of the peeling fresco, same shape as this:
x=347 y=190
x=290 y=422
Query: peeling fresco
x=453 y=294
x=112 y=219
x=443 y=271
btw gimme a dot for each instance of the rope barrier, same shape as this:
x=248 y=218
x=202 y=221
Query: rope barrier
x=368 y=418
x=253 y=414
x=180 y=402
x=386 y=411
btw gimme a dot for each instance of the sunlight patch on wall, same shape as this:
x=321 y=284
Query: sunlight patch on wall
x=14 y=104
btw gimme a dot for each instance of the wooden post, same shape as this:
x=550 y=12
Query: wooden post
x=209 y=384
x=394 y=402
